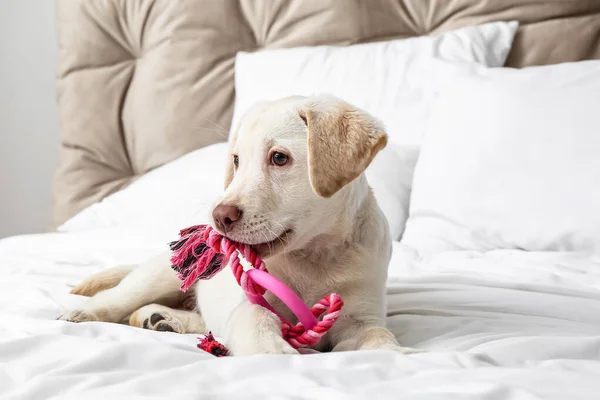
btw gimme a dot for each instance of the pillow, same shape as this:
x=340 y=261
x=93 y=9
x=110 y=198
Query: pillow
x=391 y=80
x=171 y=197
x=390 y=176
x=510 y=160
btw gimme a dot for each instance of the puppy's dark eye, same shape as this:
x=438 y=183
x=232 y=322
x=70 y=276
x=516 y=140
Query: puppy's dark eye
x=279 y=159
x=236 y=161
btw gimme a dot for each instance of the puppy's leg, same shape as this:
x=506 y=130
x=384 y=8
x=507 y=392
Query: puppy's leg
x=246 y=328
x=252 y=329
x=161 y=318
x=102 y=281
x=357 y=334
x=152 y=282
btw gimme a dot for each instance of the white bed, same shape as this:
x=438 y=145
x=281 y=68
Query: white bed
x=496 y=324
x=480 y=315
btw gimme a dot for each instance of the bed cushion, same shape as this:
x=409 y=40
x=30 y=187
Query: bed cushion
x=510 y=161
x=142 y=82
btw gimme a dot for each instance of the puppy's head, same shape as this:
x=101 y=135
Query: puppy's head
x=289 y=169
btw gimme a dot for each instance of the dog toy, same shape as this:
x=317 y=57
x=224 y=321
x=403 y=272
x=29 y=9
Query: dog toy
x=201 y=253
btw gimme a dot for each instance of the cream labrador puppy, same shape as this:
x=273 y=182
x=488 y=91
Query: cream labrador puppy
x=295 y=190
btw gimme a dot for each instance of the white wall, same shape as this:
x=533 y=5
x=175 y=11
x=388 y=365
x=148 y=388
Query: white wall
x=28 y=114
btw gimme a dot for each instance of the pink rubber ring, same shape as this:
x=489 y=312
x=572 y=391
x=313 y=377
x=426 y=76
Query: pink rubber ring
x=285 y=294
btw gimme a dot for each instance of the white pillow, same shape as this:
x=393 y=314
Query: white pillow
x=511 y=160
x=392 y=80
x=171 y=197
x=390 y=176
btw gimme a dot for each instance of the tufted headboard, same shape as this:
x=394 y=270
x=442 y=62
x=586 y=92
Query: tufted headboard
x=142 y=82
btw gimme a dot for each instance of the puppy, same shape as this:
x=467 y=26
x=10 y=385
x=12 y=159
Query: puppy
x=296 y=191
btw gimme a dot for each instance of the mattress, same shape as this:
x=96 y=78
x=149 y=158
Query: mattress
x=497 y=325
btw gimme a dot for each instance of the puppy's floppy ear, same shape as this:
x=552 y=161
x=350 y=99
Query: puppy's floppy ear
x=342 y=142
x=229 y=166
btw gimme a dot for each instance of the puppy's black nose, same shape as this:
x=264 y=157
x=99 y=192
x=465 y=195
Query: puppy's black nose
x=225 y=216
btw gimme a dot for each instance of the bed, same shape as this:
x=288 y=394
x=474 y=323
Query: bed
x=492 y=331
x=147 y=90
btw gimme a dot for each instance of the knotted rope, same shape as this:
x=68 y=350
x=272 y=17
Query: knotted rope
x=201 y=252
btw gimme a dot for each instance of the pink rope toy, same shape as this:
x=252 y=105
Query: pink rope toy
x=201 y=252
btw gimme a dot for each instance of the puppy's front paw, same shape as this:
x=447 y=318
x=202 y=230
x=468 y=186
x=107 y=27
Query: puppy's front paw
x=277 y=346
x=253 y=329
x=78 y=316
x=379 y=338
x=407 y=350
x=267 y=345
x=391 y=346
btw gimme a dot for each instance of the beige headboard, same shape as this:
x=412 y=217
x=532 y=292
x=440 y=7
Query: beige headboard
x=142 y=82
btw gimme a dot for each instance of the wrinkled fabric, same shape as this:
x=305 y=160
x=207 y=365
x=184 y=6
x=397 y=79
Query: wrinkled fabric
x=503 y=324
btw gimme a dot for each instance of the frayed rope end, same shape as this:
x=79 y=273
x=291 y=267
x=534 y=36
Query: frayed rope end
x=209 y=344
x=192 y=258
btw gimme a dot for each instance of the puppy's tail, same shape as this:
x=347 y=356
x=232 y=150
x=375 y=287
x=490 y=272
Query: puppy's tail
x=102 y=280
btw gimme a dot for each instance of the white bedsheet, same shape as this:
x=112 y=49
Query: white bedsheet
x=500 y=325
